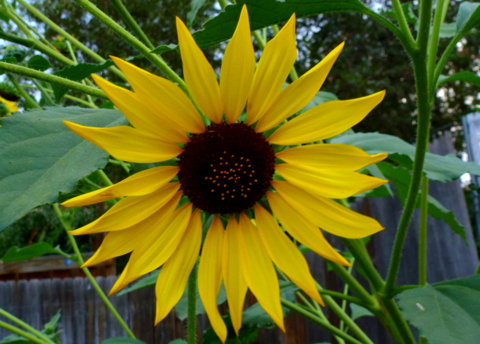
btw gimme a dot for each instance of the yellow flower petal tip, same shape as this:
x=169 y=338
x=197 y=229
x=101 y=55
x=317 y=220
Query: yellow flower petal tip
x=227 y=168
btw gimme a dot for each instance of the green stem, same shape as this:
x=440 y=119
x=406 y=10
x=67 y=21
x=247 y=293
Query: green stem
x=260 y=41
x=357 y=331
x=53 y=79
x=223 y=3
x=398 y=322
x=424 y=108
x=75 y=42
x=356 y=287
x=440 y=13
x=44 y=92
x=26 y=326
x=81 y=101
x=422 y=237
x=342 y=296
x=133 y=41
x=358 y=250
x=192 y=303
x=74 y=58
x=104 y=178
x=22 y=333
x=402 y=23
x=67 y=226
x=130 y=21
x=22 y=92
x=326 y=325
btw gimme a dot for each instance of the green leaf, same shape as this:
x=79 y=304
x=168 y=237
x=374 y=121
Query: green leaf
x=195 y=5
x=440 y=168
x=40 y=156
x=144 y=282
x=15 y=254
x=359 y=311
x=401 y=177
x=178 y=341
x=270 y=12
x=164 y=48
x=445 y=313
x=468 y=16
x=51 y=326
x=38 y=62
x=462 y=76
x=448 y=30
x=123 y=340
x=77 y=73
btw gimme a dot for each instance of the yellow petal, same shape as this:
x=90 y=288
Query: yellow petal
x=156 y=248
x=210 y=276
x=330 y=156
x=140 y=115
x=325 y=120
x=130 y=211
x=126 y=240
x=326 y=182
x=259 y=272
x=199 y=75
x=284 y=253
x=327 y=214
x=163 y=97
x=235 y=285
x=237 y=69
x=174 y=274
x=299 y=93
x=273 y=68
x=302 y=229
x=127 y=143
x=139 y=184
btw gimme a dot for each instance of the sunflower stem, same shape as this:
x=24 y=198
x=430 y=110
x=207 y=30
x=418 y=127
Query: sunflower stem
x=26 y=326
x=22 y=92
x=326 y=325
x=44 y=92
x=75 y=42
x=53 y=79
x=133 y=41
x=130 y=21
x=402 y=22
x=424 y=106
x=422 y=237
x=68 y=227
x=192 y=304
x=22 y=333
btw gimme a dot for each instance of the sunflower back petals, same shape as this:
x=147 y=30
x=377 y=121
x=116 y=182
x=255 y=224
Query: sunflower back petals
x=173 y=277
x=237 y=70
x=303 y=230
x=259 y=272
x=325 y=120
x=299 y=93
x=210 y=276
x=273 y=68
x=233 y=279
x=285 y=254
x=199 y=75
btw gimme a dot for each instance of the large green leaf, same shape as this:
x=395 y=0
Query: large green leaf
x=445 y=313
x=462 y=76
x=40 y=156
x=15 y=254
x=401 y=177
x=270 y=12
x=440 y=168
x=468 y=16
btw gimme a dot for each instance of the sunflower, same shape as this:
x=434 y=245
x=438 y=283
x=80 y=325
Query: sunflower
x=7 y=107
x=251 y=176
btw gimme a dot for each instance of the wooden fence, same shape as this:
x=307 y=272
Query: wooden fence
x=86 y=320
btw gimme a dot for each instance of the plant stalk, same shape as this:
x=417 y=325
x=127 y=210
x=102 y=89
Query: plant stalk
x=192 y=304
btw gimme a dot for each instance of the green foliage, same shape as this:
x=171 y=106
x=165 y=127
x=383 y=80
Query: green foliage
x=446 y=312
x=40 y=157
x=16 y=254
x=440 y=168
x=50 y=330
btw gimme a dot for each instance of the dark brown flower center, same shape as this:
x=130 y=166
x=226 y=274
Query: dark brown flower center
x=227 y=168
